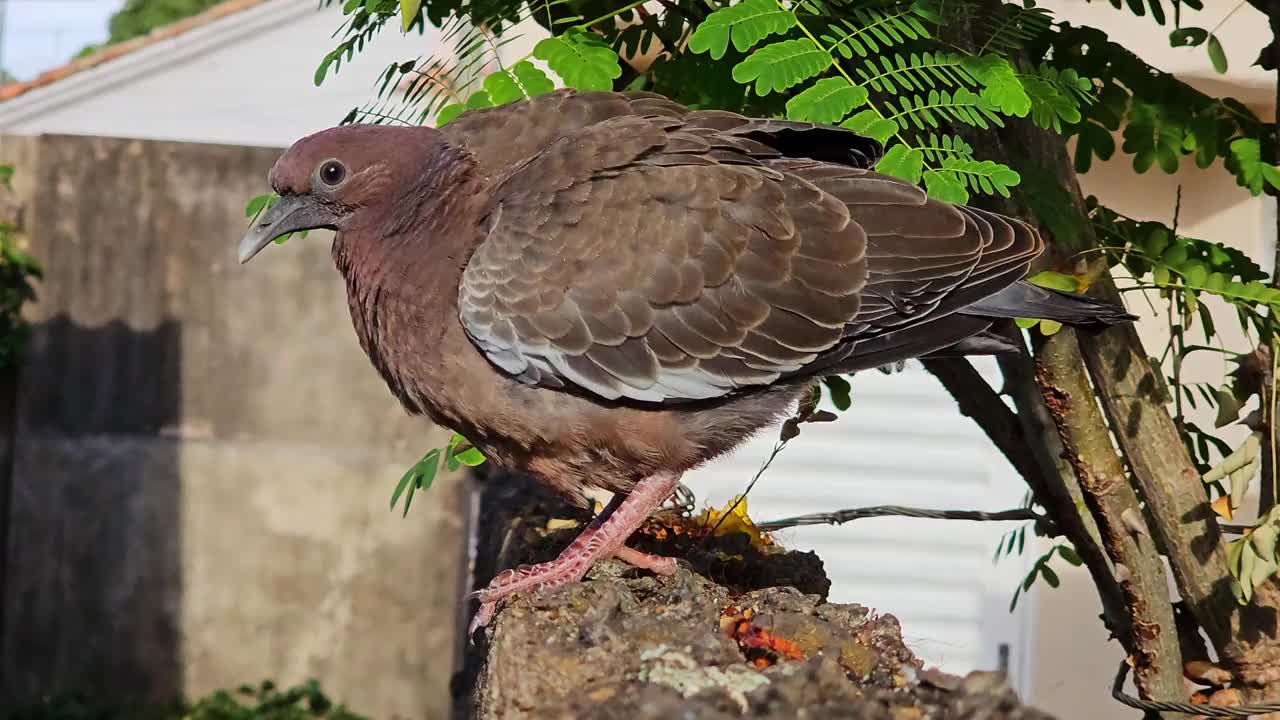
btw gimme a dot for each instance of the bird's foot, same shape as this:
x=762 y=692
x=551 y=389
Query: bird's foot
x=655 y=564
x=603 y=538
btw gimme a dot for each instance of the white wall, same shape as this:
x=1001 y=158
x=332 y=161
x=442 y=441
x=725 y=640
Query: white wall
x=245 y=80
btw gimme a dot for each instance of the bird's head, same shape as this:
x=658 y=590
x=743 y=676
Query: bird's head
x=336 y=177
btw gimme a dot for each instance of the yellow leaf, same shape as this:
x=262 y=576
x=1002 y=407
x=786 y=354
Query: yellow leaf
x=408 y=12
x=732 y=519
x=1222 y=506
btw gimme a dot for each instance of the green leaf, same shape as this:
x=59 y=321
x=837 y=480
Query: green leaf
x=532 y=79
x=826 y=101
x=1216 y=55
x=479 y=99
x=408 y=12
x=582 y=60
x=1154 y=135
x=1000 y=84
x=449 y=112
x=902 y=162
x=419 y=477
x=1188 y=37
x=869 y=123
x=323 y=69
x=1056 y=281
x=943 y=185
x=1264 y=541
x=1068 y=553
x=1056 y=98
x=1093 y=140
x=984 y=176
x=1228 y=407
x=1050 y=576
x=405 y=481
x=776 y=67
x=470 y=456
x=746 y=23
x=1245 y=160
x=503 y=88
x=258 y=204
x=840 y=391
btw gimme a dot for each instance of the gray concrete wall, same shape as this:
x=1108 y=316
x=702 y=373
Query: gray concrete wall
x=203 y=456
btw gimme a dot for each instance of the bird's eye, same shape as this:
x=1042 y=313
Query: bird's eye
x=332 y=172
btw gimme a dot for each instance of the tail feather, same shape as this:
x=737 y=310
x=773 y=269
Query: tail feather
x=1022 y=299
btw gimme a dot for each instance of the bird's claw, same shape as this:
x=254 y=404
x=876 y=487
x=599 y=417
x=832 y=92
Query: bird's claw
x=483 y=615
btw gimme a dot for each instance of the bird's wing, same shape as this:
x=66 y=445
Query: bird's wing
x=649 y=260
x=510 y=134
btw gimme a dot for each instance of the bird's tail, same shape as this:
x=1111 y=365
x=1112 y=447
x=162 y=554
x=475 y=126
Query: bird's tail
x=1022 y=299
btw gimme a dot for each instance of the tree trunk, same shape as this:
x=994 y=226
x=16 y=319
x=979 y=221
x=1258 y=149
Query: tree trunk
x=1182 y=525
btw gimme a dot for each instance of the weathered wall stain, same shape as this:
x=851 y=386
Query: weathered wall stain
x=202 y=455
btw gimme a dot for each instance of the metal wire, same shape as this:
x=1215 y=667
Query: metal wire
x=1213 y=711
x=840 y=517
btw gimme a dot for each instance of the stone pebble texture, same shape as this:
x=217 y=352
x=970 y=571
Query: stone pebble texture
x=739 y=631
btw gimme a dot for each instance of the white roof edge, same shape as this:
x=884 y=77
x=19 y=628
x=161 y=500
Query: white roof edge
x=161 y=55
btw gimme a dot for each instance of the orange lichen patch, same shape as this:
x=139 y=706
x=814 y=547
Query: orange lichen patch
x=111 y=52
x=762 y=647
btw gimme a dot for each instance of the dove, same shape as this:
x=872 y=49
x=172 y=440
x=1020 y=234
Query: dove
x=604 y=290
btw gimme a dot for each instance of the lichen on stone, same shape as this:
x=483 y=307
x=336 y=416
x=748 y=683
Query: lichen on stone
x=680 y=672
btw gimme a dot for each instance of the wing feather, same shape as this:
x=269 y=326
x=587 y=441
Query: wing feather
x=663 y=255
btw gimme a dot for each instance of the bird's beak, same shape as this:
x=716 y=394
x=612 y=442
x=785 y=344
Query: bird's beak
x=290 y=213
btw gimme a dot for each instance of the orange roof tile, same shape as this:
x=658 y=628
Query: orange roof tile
x=111 y=52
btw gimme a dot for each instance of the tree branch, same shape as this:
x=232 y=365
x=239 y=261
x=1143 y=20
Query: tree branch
x=1061 y=495
x=1185 y=524
x=1153 y=638
x=979 y=402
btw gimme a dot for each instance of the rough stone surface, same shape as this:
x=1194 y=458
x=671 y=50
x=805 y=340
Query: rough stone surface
x=725 y=637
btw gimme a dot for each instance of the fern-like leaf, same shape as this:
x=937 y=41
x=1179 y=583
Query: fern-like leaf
x=1056 y=96
x=1000 y=84
x=984 y=176
x=745 y=23
x=938 y=149
x=870 y=123
x=827 y=101
x=919 y=72
x=582 y=60
x=1005 y=28
x=946 y=186
x=776 y=67
x=942 y=106
x=873 y=31
x=523 y=80
x=902 y=162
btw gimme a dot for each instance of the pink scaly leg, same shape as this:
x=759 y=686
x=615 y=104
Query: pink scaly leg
x=656 y=564
x=603 y=538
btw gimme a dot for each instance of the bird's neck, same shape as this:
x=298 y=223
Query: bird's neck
x=402 y=281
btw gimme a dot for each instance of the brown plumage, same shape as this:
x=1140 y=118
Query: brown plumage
x=608 y=289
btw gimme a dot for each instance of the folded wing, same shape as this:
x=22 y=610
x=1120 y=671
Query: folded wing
x=669 y=259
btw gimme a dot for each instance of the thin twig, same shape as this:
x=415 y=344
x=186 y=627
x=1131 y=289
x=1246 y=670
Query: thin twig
x=777 y=448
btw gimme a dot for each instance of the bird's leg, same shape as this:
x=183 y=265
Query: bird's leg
x=603 y=538
x=655 y=564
